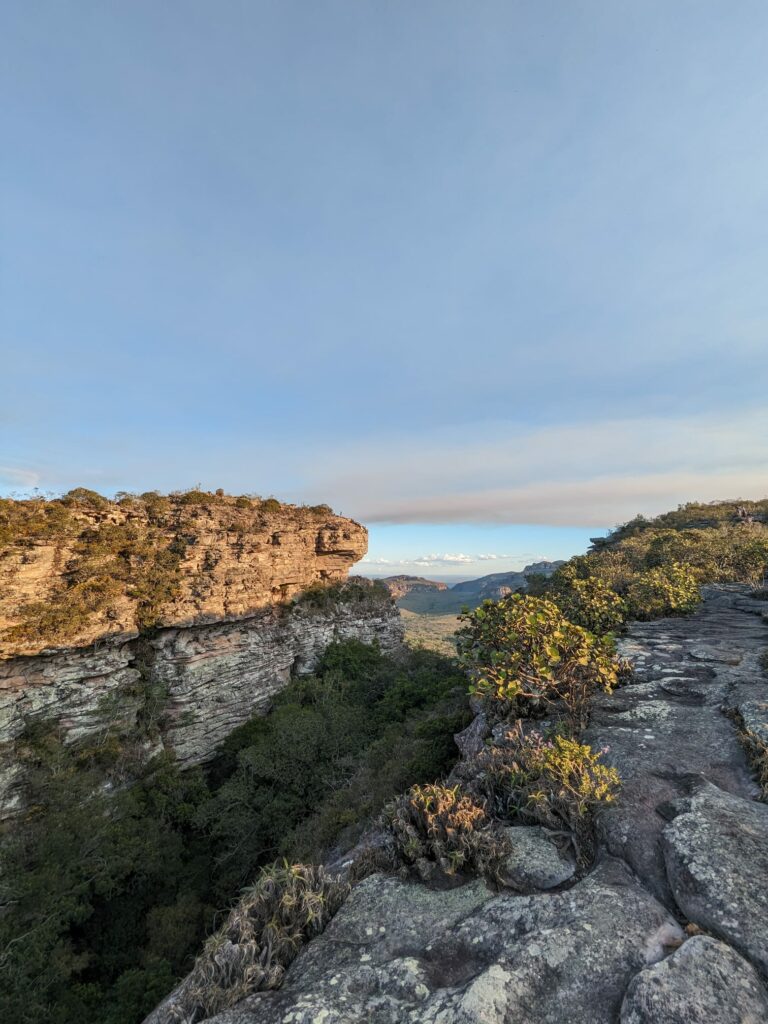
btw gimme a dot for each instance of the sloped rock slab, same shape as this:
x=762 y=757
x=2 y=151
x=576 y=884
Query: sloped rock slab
x=398 y=953
x=716 y=855
x=704 y=982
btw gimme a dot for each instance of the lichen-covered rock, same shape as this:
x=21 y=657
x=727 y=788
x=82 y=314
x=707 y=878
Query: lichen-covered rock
x=716 y=854
x=535 y=862
x=399 y=953
x=666 y=727
x=703 y=982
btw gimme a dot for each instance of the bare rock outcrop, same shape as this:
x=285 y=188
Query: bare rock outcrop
x=716 y=855
x=471 y=956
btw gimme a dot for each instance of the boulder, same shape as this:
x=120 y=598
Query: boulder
x=535 y=862
x=703 y=982
x=716 y=856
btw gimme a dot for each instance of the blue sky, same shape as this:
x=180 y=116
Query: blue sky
x=489 y=277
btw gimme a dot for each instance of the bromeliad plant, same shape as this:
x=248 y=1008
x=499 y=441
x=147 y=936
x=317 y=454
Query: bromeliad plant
x=439 y=829
x=524 y=657
x=553 y=781
x=287 y=906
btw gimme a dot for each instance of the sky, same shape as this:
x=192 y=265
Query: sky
x=489 y=277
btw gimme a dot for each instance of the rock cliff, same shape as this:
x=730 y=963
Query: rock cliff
x=194 y=611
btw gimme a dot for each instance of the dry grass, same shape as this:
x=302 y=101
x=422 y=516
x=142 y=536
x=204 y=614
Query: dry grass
x=432 y=632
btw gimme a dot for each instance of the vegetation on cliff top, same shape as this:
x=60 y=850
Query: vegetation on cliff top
x=109 y=552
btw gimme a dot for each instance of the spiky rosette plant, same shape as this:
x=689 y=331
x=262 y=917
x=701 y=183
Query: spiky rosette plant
x=524 y=656
x=441 y=829
x=287 y=906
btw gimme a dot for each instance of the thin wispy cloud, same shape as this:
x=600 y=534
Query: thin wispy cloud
x=589 y=474
x=21 y=477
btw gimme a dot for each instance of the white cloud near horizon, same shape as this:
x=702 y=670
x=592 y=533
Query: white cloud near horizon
x=584 y=474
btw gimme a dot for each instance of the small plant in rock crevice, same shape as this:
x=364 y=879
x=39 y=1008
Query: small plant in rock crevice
x=554 y=781
x=288 y=905
x=441 y=830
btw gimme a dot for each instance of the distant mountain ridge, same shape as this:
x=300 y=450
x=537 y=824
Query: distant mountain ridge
x=417 y=594
x=497 y=584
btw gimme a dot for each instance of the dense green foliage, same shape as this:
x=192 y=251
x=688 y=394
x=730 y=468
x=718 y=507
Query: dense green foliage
x=523 y=656
x=589 y=602
x=109 y=888
x=665 y=590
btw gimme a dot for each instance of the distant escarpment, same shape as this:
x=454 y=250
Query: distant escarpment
x=400 y=586
x=174 y=618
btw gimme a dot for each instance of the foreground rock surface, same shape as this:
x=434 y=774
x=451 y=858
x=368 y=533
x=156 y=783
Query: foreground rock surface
x=703 y=982
x=716 y=854
x=398 y=953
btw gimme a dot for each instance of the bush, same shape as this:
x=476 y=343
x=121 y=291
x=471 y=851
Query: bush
x=553 y=781
x=270 y=505
x=437 y=828
x=666 y=590
x=590 y=603
x=524 y=656
x=84 y=496
x=286 y=907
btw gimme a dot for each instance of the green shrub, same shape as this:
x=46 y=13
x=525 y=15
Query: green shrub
x=590 y=603
x=270 y=505
x=84 y=496
x=667 y=590
x=553 y=781
x=524 y=656
x=439 y=828
x=287 y=906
